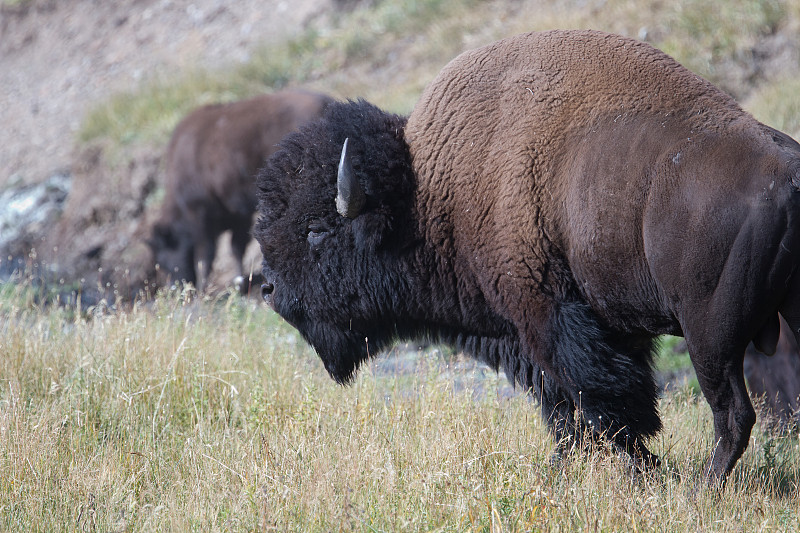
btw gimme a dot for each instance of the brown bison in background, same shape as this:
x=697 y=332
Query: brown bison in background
x=776 y=379
x=554 y=203
x=211 y=162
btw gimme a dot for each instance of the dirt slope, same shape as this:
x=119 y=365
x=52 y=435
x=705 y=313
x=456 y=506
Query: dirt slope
x=58 y=57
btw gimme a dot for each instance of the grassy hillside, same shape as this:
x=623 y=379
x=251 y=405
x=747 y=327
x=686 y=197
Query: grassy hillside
x=211 y=415
x=388 y=51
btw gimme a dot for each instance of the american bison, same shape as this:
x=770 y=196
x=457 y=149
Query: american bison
x=211 y=162
x=553 y=203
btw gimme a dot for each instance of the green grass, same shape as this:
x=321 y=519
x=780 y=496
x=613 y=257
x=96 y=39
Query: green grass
x=674 y=364
x=150 y=113
x=708 y=36
x=211 y=415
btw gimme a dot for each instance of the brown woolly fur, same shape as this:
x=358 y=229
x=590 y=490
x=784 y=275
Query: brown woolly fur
x=554 y=202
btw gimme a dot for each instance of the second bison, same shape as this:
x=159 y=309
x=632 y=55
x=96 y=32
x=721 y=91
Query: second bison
x=211 y=162
x=554 y=202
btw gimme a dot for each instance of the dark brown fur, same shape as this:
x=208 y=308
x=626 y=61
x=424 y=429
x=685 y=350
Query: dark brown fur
x=211 y=162
x=554 y=202
x=605 y=171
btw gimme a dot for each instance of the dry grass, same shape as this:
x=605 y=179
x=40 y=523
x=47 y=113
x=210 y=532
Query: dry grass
x=212 y=416
x=777 y=104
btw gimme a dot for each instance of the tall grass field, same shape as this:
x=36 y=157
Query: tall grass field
x=191 y=414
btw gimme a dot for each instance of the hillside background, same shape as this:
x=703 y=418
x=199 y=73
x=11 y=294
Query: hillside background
x=92 y=89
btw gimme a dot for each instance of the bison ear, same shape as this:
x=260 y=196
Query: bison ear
x=350 y=196
x=371 y=229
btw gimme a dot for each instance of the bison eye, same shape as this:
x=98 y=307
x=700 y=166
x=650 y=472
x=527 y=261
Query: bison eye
x=317 y=231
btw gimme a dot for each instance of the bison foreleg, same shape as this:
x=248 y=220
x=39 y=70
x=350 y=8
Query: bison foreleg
x=571 y=433
x=599 y=384
x=609 y=375
x=239 y=241
x=205 y=251
x=558 y=411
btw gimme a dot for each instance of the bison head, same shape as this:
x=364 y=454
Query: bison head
x=173 y=252
x=336 y=229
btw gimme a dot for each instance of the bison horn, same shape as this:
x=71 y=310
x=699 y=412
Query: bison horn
x=350 y=196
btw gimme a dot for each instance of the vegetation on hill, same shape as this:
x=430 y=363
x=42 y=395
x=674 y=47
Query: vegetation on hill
x=388 y=51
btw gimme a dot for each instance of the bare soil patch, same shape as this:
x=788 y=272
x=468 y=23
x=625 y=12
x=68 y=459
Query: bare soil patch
x=60 y=57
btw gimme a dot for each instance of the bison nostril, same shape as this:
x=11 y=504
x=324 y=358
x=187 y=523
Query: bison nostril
x=266 y=289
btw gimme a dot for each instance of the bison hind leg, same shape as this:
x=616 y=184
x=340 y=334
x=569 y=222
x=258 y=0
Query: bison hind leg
x=607 y=376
